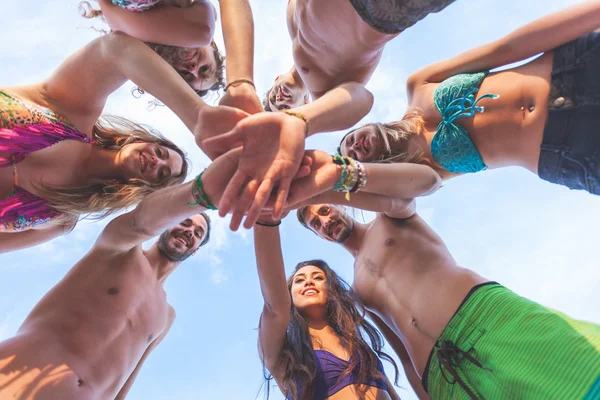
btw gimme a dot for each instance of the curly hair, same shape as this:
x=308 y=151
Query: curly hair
x=346 y=317
x=397 y=131
x=99 y=198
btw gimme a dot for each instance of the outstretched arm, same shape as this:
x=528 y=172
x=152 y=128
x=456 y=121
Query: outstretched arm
x=117 y=57
x=398 y=347
x=539 y=36
x=390 y=188
x=183 y=27
x=166 y=207
x=238 y=34
x=276 y=310
x=127 y=386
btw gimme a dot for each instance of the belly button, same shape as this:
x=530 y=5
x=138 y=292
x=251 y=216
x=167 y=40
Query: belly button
x=304 y=69
x=414 y=322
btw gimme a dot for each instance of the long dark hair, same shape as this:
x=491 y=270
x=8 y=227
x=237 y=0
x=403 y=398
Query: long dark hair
x=346 y=317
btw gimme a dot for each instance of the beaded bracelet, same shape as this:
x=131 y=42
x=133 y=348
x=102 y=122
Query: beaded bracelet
x=350 y=175
x=269 y=225
x=238 y=82
x=199 y=194
x=300 y=116
x=362 y=178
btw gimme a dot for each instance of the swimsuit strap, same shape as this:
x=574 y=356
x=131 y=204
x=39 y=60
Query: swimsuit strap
x=15 y=172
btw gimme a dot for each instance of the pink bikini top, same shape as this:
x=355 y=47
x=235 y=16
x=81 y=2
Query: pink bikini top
x=24 y=129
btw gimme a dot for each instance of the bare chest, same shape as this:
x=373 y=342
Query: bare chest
x=332 y=45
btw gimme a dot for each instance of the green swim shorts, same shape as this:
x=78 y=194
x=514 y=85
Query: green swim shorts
x=499 y=345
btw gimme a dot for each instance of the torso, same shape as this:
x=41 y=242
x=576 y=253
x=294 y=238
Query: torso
x=98 y=320
x=404 y=273
x=330 y=51
x=507 y=133
x=60 y=165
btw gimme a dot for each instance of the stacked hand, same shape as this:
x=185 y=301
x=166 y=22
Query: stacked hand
x=214 y=121
x=243 y=97
x=273 y=149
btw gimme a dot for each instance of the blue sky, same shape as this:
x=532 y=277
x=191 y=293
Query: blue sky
x=534 y=237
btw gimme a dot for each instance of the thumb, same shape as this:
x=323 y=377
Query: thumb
x=224 y=142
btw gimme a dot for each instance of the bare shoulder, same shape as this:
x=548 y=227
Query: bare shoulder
x=171 y=313
x=290 y=17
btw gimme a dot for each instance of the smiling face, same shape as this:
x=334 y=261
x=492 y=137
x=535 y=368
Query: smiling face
x=363 y=144
x=198 y=67
x=150 y=162
x=181 y=241
x=309 y=288
x=328 y=222
x=287 y=92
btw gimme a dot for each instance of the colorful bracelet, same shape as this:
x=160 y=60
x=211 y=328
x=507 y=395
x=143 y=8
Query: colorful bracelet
x=362 y=178
x=200 y=195
x=238 y=82
x=269 y=225
x=300 y=116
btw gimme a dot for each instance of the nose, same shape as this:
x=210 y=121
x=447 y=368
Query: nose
x=191 y=67
x=188 y=233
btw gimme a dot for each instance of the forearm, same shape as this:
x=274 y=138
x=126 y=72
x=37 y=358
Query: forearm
x=149 y=71
x=534 y=38
x=271 y=272
x=401 y=180
x=238 y=34
x=339 y=108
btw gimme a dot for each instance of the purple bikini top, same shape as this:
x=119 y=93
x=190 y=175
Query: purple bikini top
x=328 y=380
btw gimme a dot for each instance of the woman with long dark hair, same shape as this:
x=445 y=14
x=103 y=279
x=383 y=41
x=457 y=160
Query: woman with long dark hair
x=542 y=115
x=313 y=337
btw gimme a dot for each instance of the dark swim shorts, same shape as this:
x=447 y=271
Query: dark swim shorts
x=394 y=16
x=570 y=151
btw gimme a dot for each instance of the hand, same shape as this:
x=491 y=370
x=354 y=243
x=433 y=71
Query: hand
x=243 y=97
x=214 y=121
x=273 y=148
x=323 y=176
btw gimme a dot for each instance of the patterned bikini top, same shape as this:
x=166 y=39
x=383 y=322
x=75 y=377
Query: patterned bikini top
x=24 y=129
x=452 y=146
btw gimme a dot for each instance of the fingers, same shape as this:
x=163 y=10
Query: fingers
x=243 y=204
x=282 y=194
x=260 y=199
x=222 y=143
x=230 y=194
x=303 y=172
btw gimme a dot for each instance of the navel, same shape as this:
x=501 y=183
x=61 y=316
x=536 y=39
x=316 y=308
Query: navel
x=113 y=290
x=389 y=242
x=304 y=69
x=80 y=382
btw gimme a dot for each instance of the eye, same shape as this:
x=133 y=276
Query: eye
x=316 y=224
x=159 y=152
x=186 y=76
x=203 y=68
x=299 y=280
x=284 y=107
x=324 y=210
x=197 y=234
x=318 y=278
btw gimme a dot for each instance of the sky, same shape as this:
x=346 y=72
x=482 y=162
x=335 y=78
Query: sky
x=534 y=237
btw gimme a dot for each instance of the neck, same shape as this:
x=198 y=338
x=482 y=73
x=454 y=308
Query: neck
x=103 y=164
x=352 y=244
x=297 y=78
x=160 y=263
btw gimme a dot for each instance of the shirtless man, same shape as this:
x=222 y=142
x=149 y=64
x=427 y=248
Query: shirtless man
x=334 y=58
x=331 y=51
x=89 y=335
x=444 y=320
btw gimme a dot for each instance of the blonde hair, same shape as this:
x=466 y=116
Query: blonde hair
x=99 y=198
x=410 y=125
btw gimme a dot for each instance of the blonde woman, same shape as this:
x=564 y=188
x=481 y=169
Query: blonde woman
x=541 y=116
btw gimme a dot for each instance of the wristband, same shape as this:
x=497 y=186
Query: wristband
x=299 y=116
x=200 y=195
x=238 y=82
x=269 y=225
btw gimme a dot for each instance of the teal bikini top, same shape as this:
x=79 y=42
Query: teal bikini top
x=452 y=146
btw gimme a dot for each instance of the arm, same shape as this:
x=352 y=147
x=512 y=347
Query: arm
x=127 y=386
x=398 y=347
x=183 y=27
x=276 y=310
x=536 y=37
x=339 y=108
x=11 y=241
x=390 y=188
x=238 y=34
x=117 y=57
x=166 y=207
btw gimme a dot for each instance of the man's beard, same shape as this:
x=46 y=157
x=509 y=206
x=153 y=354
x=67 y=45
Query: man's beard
x=169 y=254
x=344 y=234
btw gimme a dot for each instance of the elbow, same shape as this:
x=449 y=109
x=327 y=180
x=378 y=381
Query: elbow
x=114 y=45
x=431 y=184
